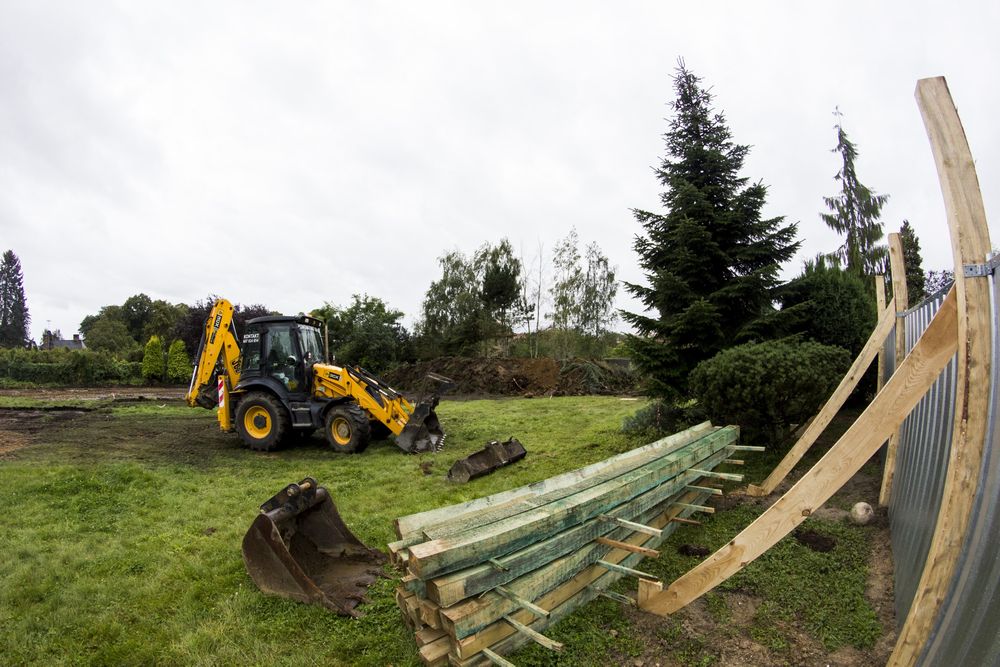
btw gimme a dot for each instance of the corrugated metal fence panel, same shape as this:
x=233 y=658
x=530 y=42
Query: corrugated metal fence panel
x=921 y=465
x=967 y=631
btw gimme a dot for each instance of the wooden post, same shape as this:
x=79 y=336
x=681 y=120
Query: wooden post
x=900 y=297
x=880 y=304
x=833 y=404
x=901 y=393
x=970 y=243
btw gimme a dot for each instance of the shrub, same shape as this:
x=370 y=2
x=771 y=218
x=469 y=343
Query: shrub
x=767 y=387
x=66 y=367
x=178 y=362
x=828 y=305
x=152 y=359
x=662 y=417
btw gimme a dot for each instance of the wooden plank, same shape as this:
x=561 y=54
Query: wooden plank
x=637 y=459
x=732 y=477
x=697 y=508
x=970 y=244
x=560 y=602
x=425 y=636
x=496 y=659
x=898 y=268
x=831 y=407
x=618 y=544
x=677 y=519
x=448 y=589
x=880 y=306
x=534 y=635
x=448 y=554
x=711 y=490
x=903 y=391
x=521 y=602
x=628 y=571
x=436 y=652
x=617 y=597
x=473 y=615
x=631 y=525
x=412 y=523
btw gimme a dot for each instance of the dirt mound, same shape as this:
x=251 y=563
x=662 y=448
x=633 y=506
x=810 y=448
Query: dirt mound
x=517 y=376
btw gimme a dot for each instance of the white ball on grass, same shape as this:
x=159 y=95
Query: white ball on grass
x=862 y=514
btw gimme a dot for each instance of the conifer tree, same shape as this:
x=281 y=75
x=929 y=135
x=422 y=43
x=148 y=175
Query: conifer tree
x=178 y=362
x=710 y=259
x=14 y=317
x=152 y=359
x=915 y=280
x=855 y=213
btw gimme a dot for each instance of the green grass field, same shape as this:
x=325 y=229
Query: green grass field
x=121 y=538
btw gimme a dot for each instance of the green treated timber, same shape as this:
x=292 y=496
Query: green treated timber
x=521 y=602
x=412 y=523
x=473 y=614
x=747 y=448
x=631 y=525
x=706 y=489
x=621 y=569
x=697 y=508
x=496 y=659
x=534 y=635
x=720 y=475
x=467 y=652
x=611 y=595
x=448 y=554
x=450 y=588
x=639 y=458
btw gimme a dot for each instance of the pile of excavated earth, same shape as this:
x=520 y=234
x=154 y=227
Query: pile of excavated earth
x=519 y=376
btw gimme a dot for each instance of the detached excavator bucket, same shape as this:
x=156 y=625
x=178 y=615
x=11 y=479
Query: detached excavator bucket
x=298 y=547
x=422 y=432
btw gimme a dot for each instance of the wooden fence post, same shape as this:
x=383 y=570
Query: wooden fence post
x=898 y=268
x=970 y=244
x=880 y=304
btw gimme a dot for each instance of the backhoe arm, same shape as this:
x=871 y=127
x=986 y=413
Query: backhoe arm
x=217 y=343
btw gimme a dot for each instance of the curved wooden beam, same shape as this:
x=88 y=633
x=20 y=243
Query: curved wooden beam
x=901 y=393
x=970 y=243
x=897 y=265
x=832 y=406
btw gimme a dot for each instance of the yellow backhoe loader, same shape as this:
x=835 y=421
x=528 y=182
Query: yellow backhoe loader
x=276 y=382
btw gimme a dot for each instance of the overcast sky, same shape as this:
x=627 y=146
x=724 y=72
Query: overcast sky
x=297 y=153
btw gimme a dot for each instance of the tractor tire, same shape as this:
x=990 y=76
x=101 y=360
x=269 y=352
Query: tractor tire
x=261 y=421
x=347 y=428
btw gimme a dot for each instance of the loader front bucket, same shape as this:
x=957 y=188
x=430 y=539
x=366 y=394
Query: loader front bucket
x=298 y=547
x=422 y=432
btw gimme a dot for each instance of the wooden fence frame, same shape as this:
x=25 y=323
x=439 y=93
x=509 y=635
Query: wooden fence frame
x=962 y=325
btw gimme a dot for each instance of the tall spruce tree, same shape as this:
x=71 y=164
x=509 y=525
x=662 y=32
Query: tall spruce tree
x=915 y=280
x=14 y=317
x=710 y=260
x=855 y=213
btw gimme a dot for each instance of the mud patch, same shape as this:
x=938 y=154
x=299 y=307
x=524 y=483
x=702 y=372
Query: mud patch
x=20 y=428
x=815 y=541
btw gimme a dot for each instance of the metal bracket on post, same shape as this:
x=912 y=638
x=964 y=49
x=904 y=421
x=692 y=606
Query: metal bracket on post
x=982 y=270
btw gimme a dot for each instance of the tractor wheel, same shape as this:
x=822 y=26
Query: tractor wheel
x=347 y=428
x=261 y=422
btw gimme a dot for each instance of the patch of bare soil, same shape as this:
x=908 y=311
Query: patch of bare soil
x=20 y=428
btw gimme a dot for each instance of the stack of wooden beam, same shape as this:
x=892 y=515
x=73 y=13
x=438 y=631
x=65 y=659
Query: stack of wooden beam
x=485 y=576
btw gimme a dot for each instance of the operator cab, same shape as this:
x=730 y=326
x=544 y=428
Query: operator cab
x=284 y=349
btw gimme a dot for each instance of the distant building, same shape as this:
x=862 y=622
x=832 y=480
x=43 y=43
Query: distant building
x=55 y=343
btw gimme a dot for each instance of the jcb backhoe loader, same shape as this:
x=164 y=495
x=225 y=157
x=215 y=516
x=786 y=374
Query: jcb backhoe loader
x=278 y=383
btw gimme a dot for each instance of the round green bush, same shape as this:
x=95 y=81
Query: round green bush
x=767 y=387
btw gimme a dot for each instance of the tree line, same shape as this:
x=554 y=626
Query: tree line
x=710 y=258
